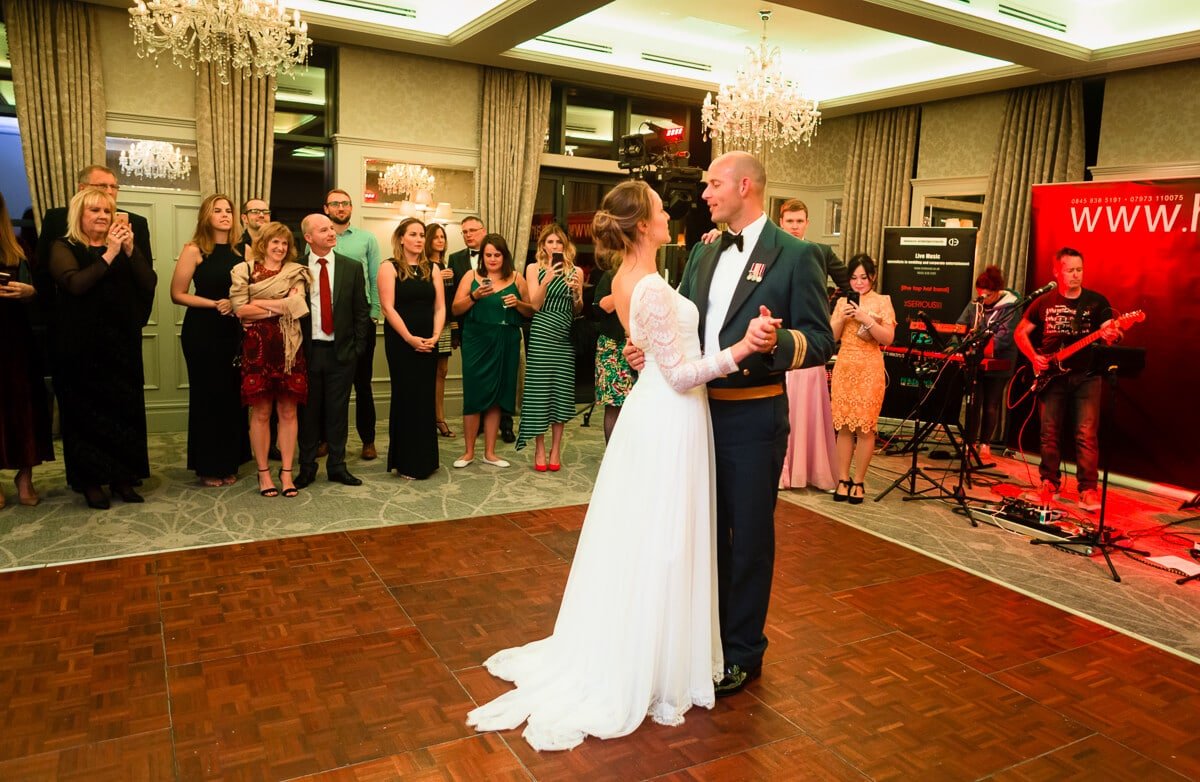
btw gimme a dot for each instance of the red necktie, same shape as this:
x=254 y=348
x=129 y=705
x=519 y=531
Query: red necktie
x=326 y=298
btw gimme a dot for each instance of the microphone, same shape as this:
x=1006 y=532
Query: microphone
x=1044 y=289
x=929 y=329
x=979 y=300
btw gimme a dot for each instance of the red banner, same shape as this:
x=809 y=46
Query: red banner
x=1141 y=247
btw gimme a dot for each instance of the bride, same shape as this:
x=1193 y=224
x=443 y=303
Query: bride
x=636 y=633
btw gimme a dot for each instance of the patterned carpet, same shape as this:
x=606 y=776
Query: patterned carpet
x=179 y=513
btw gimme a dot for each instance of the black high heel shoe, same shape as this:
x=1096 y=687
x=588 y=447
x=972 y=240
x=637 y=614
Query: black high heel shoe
x=292 y=492
x=271 y=491
x=856 y=499
x=842 y=497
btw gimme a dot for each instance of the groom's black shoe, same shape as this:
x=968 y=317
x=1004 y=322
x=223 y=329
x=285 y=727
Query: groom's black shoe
x=736 y=679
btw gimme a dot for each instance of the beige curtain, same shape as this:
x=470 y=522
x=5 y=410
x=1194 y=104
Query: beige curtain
x=235 y=134
x=516 y=115
x=55 y=52
x=1040 y=141
x=878 y=185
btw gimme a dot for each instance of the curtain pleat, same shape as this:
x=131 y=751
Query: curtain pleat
x=878 y=189
x=59 y=84
x=1041 y=140
x=235 y=134
x=516 y=116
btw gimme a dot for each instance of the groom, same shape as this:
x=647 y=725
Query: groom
x=754 y=265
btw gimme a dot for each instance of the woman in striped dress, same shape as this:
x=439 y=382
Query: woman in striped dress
x=556 y=292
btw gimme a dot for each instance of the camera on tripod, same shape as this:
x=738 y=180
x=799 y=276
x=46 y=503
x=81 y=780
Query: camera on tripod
x=653 y=157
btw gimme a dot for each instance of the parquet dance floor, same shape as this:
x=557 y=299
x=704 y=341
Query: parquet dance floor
x=356 y=656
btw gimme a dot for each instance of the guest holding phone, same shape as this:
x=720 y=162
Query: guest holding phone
x=556 y=294
x=105 y=291
x=491 y=299
x=218 y=439
x=865 y=321
x=24 y=415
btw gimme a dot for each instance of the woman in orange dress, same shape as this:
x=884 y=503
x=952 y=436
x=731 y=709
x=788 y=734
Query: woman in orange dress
x=858 y=376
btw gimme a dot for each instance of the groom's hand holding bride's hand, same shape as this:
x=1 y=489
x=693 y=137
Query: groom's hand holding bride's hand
x=764 y=329
x=634 y=356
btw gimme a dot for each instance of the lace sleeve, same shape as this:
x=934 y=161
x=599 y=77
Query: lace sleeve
x=655 y=329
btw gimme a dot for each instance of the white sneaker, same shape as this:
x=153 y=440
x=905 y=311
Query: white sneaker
x=1089 y=499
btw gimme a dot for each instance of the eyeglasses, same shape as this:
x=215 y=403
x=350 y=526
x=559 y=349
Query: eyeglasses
x=259 y=212
x=105 y=186
x=336 y=204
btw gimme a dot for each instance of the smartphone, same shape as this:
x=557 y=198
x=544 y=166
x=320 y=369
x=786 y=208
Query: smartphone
x=121 y=217
x=5 y=278
x=557 y=260
x=852 y=297
x=486 y=282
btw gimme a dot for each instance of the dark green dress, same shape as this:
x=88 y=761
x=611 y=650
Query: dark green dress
x=491 y=352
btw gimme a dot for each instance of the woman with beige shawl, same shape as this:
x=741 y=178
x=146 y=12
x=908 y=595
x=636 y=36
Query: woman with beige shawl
x=269 y=295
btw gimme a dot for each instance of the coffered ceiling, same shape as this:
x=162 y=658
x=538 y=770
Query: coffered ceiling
x=852 y=55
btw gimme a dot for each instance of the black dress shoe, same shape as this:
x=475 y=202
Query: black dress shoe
x=126 y=493
x=305 y=477
x=345 y=477
x=96 y=498
x=736 y=679
x=508 y=436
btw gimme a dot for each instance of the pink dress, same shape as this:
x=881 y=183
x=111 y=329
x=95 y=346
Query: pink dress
x=811 y=447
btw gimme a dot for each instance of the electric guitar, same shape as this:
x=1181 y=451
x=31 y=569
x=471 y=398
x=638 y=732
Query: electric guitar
x=1056 y=368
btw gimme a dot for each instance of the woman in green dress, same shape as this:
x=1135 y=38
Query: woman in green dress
x=556 y=294
x=491 y=299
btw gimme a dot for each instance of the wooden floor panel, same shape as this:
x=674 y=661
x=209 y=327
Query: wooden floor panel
x=354 y=657
x=977 y=622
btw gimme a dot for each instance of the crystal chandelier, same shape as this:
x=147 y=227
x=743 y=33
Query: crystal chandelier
x=239 y=34
x=406 y=178
x=762 y=110
x=155 y=160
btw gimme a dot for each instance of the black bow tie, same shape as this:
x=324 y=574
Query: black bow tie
x=728 y=238
x=474 y=253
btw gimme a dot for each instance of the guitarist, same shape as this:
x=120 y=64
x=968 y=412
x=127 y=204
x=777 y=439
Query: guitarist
x=1056 y=320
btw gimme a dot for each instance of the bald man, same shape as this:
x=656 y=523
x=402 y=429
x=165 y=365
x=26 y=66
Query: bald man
x=755 y=264
x=336 y=333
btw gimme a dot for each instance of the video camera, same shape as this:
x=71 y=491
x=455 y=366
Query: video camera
x=652 y=157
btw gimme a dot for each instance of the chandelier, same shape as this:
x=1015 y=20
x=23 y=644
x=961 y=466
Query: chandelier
x=761 y=110
x=155 y=160
x=406 y=178
x=238 y=34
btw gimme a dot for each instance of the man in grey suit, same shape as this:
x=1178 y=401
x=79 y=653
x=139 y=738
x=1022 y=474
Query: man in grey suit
x=754 y=265
x=336 y=333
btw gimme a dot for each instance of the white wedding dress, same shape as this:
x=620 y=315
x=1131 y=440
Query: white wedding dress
x=637 y=631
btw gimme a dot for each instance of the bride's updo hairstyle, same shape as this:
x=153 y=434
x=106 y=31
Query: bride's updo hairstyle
x=614 y=228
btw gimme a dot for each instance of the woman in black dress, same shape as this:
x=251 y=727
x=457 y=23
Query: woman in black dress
x=218 y=442
x=105 y=291
x=435 y=252
x=24 y=416
x=411 y=296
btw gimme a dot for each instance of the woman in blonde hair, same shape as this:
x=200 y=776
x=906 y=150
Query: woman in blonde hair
x=105 y=291
x=24 y=415
x=413 y=302
x=269 y=296
x=636 y=633
x=556 y=290
x=218 y=440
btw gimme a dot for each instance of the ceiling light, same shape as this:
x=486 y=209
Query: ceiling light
x=155 y=160
x=238 y=34
x=761 y=110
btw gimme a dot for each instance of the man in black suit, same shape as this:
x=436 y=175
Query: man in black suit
x=255 y=214
x=461 y=262
x=336 y=332
x=755 y=265
x=54 y=226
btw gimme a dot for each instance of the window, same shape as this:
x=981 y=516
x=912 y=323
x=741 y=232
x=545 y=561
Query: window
x=8 y=99
x=305 y=108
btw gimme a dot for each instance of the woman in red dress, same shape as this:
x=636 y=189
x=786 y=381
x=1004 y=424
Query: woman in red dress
x=269 y=295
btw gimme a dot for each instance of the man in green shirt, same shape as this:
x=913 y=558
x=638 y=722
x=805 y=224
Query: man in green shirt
x=361 y=245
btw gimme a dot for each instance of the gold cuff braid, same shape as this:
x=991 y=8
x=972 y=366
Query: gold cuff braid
x=801 y=348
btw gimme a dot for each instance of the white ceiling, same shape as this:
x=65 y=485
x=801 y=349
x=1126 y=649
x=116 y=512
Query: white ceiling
x=852 y=55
